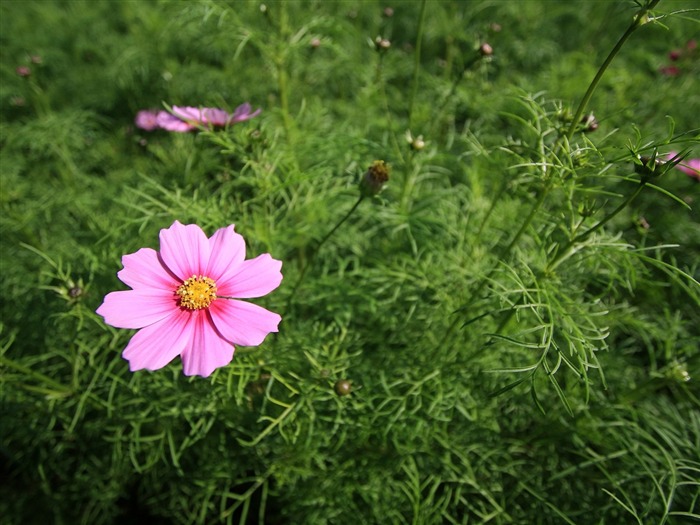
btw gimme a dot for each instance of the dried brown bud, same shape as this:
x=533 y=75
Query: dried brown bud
x=374 y=178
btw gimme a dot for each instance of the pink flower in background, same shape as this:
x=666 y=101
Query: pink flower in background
x=690 y=167
x=670 y=71
x=183 y=300
x=187 y=118
x=147 y=120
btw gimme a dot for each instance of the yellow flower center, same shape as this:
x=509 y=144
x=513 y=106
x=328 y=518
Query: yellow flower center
x=196 y=292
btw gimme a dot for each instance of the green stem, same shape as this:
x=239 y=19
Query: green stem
x=316 y=249
x=416 y=63
x=639 y=20
x=569 y=248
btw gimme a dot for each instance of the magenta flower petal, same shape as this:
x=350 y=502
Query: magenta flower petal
x=243 y=323
x=207 y=351
x=242 y=113
x=144 y=269
x=215 y=117
x=156 y=345
x=690 y=167
x=254 y=278
x=172 y=123
x=227 y=254
x=147 y=120
x=137 y=308
x=184 y=250
x=176 y=303
x=188 y=113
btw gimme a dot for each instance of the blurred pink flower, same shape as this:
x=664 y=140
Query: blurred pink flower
x=147 y=120
x=670 y=71
x=183 y=300
x=690 y=167
x=188 y=118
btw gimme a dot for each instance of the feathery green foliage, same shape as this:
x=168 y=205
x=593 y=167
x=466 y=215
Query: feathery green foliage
x=508 y=333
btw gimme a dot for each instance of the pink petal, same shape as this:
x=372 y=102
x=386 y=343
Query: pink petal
x=147 y=120
x=185 y=250
x=690 y=167
x=207 y=350
x=156 y=345
x=144 y=269
x=242 y=113
x=253 y=278
x=188 y=113
x=227 y=253
x=215 y=117
x=172 y=123
x=243 y=323
x=137 y=308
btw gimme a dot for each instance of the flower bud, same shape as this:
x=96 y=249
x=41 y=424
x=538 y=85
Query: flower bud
x=649 y=167
x=381 y=44
x=23 y=71
x=374 y=178
x=589 y=123
x=343 y=387
x=485 y=50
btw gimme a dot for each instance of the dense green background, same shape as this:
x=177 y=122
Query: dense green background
x=613 y=438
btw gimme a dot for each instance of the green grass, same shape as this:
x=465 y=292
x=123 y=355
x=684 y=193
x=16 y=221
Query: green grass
x=517 y=312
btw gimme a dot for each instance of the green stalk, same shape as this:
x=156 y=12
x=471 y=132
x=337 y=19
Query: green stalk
x=316 y=250
x=569 y=248
x=639 y=20
x=416 y=63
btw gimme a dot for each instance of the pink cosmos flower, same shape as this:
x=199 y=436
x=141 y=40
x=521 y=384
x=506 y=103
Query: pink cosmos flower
x=187 y=118
x=183 y=300
x=147 y=120
x=690 y=167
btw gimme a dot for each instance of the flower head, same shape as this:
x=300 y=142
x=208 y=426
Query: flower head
x=187 y=118
x=374 y=178
x=184 y=300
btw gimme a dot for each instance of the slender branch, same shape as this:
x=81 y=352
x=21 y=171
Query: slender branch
x=316 y=249
x=416 y=62
x=639 y=20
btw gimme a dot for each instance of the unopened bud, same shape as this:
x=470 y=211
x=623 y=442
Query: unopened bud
x=374 y=178
x=589 y=123
x=649 y=167
x=381 y=44
x=23 y=71
x=343 y=387
x=485 y=50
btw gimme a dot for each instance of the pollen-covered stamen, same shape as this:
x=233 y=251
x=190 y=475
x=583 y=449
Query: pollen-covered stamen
x=196 y=292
